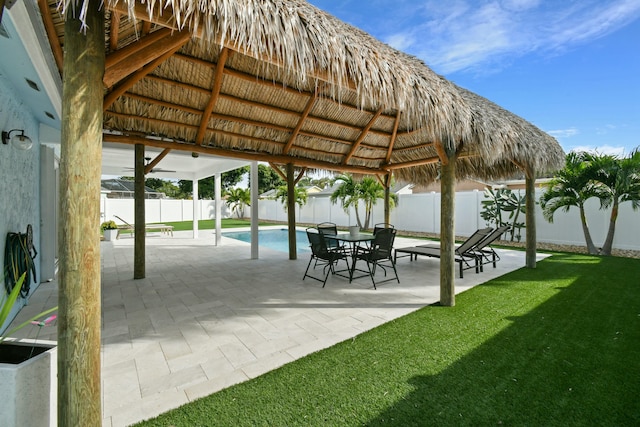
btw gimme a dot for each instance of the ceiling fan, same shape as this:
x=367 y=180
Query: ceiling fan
x=147 y=160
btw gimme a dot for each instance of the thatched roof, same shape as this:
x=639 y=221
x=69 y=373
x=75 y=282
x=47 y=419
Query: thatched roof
x=283 y=81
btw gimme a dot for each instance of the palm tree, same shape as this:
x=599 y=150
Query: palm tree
x=237 y=199
x=300 y=195
x=620 y=179
x=350 y=192
x=572 y=186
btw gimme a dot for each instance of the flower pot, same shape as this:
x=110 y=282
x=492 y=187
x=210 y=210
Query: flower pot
x=28 y=383
x=354 y=230
x=110 y=234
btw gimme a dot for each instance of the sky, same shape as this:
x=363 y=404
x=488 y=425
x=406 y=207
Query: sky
x=572 y=68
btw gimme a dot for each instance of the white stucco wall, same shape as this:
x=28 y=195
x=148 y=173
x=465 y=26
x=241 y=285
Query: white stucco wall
x=19 y=175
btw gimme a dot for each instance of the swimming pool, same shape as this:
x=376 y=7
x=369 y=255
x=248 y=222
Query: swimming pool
x=276 y=239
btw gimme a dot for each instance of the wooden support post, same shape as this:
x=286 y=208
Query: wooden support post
x=1 y=9
x=387 y=198
x=530 y=218
x=139 y=215
x=447 y=230
x=79 y=310
x=291 y=212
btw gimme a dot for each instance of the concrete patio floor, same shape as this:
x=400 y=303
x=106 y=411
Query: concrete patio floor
x=207 y=317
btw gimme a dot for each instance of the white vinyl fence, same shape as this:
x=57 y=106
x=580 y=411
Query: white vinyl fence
x=414 y=212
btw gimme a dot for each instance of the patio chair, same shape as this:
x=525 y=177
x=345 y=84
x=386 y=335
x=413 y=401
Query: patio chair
x=322 y=256
x=378 y=255
x=381 y=226
x=464 y=254
x=163 y=228
x=328 y=229
x=484 y=250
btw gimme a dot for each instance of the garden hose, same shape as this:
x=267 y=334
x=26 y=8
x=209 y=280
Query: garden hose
x=19 y=254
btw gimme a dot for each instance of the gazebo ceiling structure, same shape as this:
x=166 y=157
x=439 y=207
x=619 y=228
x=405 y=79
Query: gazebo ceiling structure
x=284 y=82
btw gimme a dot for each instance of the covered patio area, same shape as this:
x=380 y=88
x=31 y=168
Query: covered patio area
x=207 y=317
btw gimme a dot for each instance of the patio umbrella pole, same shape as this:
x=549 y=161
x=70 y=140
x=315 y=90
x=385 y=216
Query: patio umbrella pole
x=79 y=400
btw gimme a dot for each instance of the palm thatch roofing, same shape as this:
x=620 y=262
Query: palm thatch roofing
x=284 y=82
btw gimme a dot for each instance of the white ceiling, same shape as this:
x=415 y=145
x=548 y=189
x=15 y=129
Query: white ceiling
x=31 y=58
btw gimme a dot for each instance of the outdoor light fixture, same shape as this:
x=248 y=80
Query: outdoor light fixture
x=21 y=142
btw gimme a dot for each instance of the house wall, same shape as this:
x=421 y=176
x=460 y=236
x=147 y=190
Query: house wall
x=20 y=177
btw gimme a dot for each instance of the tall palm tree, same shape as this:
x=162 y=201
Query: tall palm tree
x=572 y=186
x=237 y=199
x=368 y=190
x=620 y=179
x=300 y=195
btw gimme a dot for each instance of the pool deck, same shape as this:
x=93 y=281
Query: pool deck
x=207 y=317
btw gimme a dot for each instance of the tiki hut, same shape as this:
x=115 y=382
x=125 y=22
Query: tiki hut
x=268 y=80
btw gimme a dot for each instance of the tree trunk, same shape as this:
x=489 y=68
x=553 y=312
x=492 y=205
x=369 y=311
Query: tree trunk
x=139 y=268
x=530 y=219
x=447 y=232
x=291 y=211
x=79 y=400
x=591 y=248
x=608 y=243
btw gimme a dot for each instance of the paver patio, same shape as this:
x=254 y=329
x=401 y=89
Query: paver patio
x=206 y=317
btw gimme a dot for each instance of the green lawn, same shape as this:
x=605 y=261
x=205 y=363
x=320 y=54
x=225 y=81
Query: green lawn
x=207 y=224
x=554 y=346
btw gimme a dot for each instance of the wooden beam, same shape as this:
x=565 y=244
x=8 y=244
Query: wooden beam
x=215 y=92
x=362 y=136
x=387 y=198
x=135 y=48
x=52 y=35
x=148 y=168
x=422 y=162
x=79 y=293
x=447 y=231
x=130 y=64
x=300 y=175
x=291 y=212
x=244 y=155
x=278 y=171
x=442 y=154
x=303 y=117
x=392 y=139
x=167 y=19
x=139 y=75
x=146 y=28
x=530 y=219
x=114 y=31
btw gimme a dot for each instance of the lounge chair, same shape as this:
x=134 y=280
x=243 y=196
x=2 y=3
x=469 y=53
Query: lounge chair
x=484 y=250
x=322 y=256
x=163 y=228
x=378 y=255
x=464 y=254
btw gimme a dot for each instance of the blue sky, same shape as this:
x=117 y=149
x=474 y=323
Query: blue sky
x=572 y=68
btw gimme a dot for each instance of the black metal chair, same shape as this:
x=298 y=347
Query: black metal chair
x=322 y=255
x=381 y=226
x=379 y=255
x=328 y=229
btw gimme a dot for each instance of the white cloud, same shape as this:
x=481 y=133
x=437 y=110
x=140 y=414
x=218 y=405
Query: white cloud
x=563 y=133
x=459 y=34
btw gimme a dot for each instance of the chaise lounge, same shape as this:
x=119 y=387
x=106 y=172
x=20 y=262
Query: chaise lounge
x=464 y=254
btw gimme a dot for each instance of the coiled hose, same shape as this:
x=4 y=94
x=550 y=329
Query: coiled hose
x=19 y=254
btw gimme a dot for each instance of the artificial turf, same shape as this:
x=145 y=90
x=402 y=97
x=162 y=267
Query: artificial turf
x=554 y=346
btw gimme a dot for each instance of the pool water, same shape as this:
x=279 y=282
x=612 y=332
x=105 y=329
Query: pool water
x=276 y=239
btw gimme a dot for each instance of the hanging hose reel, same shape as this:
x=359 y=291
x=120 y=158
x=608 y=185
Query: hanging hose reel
x=19 y=254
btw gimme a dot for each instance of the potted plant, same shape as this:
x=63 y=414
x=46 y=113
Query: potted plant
x=28 y=370
x=109 y=230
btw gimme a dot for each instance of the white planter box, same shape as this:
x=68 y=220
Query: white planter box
x=110 y=235
x=28 y=390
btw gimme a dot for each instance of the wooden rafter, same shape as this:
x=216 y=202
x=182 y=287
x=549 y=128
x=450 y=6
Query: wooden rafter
x=300 y=175
x=213 y=99
x=427 y=161
x=116 y=57
x=442 y=154
x=303 y=117
x=279 y=171
x=123 y=66
x=362 y=136
x=140 y=74
x=168 y=20
x=146 y=28
x=244 y=155
x=114 y=33
x=392 y=140
x=148 y=168
x=50 y=28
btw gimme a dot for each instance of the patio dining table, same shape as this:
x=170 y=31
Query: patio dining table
x=351 y=242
